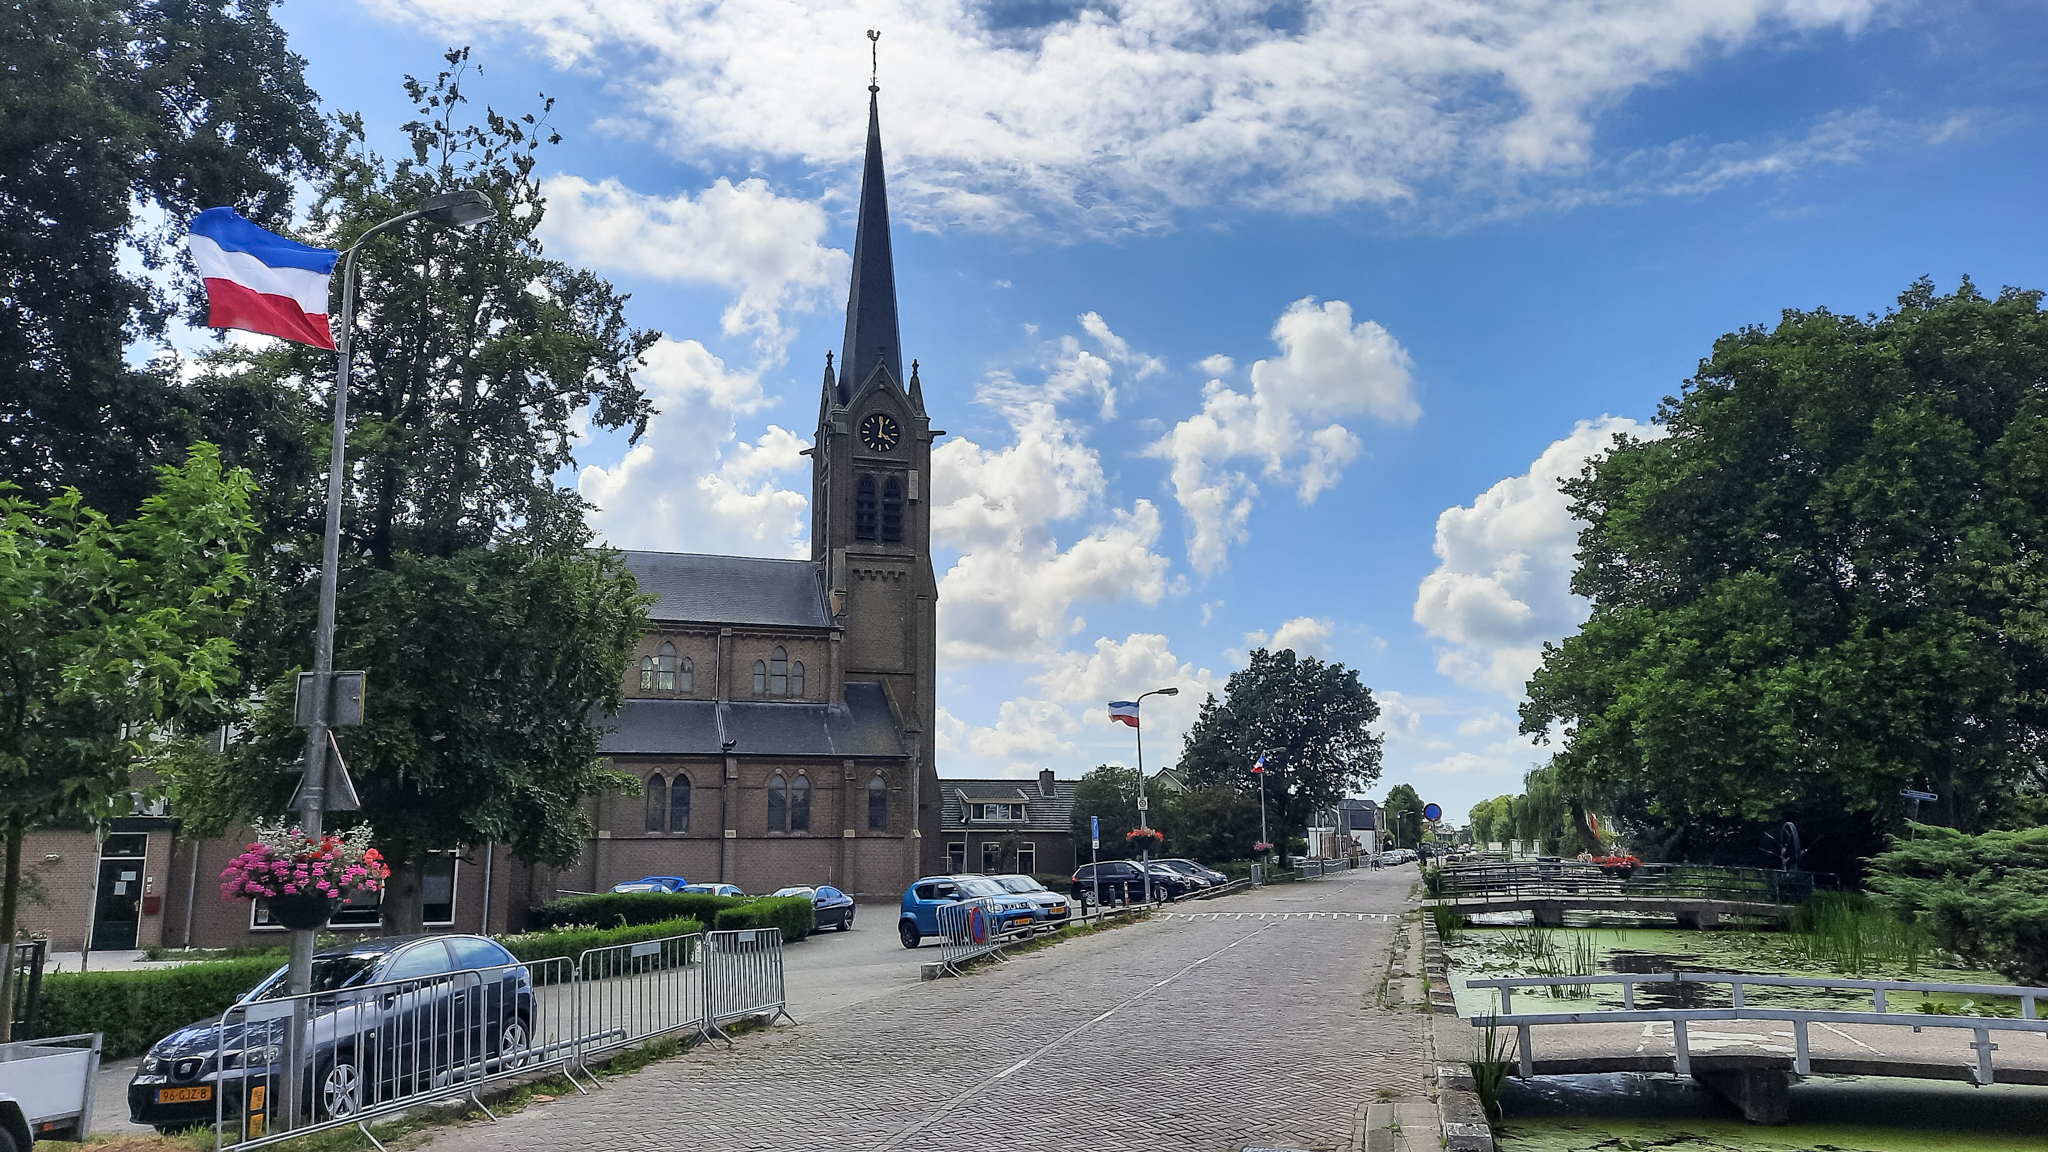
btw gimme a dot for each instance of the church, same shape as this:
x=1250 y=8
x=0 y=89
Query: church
x=780 y=713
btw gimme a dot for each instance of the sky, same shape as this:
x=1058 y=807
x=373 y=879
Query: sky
x=1250 y=324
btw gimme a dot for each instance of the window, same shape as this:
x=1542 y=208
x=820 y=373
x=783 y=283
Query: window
x=800 y=805
x=360 y=910
x=665 y=669
x=892 y=511
x=1002 y=812
x=679 y=804
x=778 y=804
x=683 y=677
x=760 y=678
x=956 y=856
x=657 y=802
x=1027 y=858
x=796 y=678
x=864 y=509
x=437 y=888
x=647 y=672
x=878 y=808
x=778 y=673
x=428 y=959
x=991 y=857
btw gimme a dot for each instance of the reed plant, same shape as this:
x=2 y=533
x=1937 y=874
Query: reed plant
x=1450 y=922
x=1849 y=933
x=1489 y=1066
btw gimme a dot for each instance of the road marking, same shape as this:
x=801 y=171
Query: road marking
x=1849 y=1038
x=951 y=1105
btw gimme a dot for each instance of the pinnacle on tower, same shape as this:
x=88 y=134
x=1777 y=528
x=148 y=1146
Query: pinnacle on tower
x=872 y=334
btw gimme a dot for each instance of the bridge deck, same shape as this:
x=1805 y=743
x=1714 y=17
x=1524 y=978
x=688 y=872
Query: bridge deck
x=1904 y=1068
x=1563 y=901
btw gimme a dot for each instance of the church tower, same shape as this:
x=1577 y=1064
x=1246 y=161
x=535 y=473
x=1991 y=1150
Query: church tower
x=870 y=500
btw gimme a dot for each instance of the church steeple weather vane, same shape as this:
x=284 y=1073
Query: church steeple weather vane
x=874 y=60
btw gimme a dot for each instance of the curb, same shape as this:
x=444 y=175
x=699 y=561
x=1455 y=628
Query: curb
x=1459 y=1111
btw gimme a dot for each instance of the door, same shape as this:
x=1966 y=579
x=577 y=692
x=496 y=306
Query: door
x=117 y=900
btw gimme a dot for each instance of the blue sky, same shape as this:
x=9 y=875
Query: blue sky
x=1251 y=322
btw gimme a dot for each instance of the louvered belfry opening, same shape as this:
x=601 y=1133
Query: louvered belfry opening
x=864 y=509
x=892 y=511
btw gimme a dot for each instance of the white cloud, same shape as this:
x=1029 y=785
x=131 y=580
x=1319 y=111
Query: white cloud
x=1328 y=368
x=1114 y=117
x=1119 y=349
x=1305 y=635
x=764 y=248
x=1217 y=365
x=1503 y=583
x=690 y=484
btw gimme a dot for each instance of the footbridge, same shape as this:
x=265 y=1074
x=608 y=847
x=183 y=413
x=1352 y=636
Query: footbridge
x=1694 y=896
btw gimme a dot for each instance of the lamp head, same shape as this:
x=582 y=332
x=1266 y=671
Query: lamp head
x=1169 y=691
x=460 y=209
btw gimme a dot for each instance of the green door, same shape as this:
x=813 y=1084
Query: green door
x=117 y=905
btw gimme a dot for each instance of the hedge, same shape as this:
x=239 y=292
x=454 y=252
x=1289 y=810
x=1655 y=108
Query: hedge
x=569 y=943
x=137 y=1008
x=617 y=909
x=795 y=915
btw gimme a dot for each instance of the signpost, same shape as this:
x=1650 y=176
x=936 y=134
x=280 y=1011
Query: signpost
x=1916 y=796
x=1094 y=843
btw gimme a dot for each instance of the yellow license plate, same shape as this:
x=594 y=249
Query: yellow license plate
x=184 y=1095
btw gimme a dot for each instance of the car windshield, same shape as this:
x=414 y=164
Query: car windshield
x=329 y=974
x=1021 y=884
x=980 y=886
x=700 y=889
x=807 y=892
x=640 y=886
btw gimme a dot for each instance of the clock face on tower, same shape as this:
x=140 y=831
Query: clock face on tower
x=880 y=432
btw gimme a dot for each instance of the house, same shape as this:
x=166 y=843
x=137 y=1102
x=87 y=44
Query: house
x=1009 y=825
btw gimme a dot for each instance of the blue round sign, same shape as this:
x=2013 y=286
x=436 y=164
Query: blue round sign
x=1432 y=812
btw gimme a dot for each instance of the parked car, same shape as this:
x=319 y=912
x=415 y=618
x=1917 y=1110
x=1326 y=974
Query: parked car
x=1191 y=868
x=714 y=889
x=923 y=899
x=1176 y=883
x=1050 y=906
x=1121 y=882
x=653 y=884
x=834 y=908
x=392 y=1020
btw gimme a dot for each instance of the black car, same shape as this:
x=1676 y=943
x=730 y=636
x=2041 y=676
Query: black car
x=1123 y=883
x=1176 y=883
x=1190 y=868
x=393 y=1016
x=833 y=908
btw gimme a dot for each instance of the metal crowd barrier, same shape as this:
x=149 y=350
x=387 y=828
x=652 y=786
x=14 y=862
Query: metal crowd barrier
x=971 y=929
x=382 y=1048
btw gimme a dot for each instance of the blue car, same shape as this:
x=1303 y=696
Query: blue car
x=922 y=901
x=653 y=884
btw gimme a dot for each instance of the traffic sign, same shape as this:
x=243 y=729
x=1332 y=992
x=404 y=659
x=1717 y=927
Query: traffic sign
x=1141 y=803
x=1911 y=794
x=1432 y=812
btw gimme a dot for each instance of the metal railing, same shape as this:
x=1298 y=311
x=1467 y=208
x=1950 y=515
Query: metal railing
x=377 y=1049
x=971 y=929
x=1572 y=878
x=1738 y=1009
x=1316 y=869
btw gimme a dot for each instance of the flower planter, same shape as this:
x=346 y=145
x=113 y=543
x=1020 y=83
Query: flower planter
x=303 y=910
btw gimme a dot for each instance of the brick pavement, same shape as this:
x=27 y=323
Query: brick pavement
x=1197 y=1030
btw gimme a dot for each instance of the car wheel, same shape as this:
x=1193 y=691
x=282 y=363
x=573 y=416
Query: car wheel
x=513 y=1044
x=339 y=1093
x=908 y=933
x=846 y=921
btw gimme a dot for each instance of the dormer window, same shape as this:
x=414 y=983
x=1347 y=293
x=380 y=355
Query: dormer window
x=999 y=811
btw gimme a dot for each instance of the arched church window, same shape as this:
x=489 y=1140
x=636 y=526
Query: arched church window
x=800 y=805
x=796 y=678
x=647 y=672
x=892 y=511
x=760 y=678
x=778 y=804
x=878 y=804
x=864 y=509
x=679 y=804
x=665 y=669
x=683 y=677
x=778 y=673
x=657 y=802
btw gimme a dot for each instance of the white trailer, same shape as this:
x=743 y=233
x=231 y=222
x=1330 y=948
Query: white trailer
x=52 y=1081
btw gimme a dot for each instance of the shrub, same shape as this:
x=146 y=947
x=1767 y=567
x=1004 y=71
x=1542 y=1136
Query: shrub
x=795 y=915
x=1984 y=897
x=135 y=1009
x=571 y=942
x=617 y=909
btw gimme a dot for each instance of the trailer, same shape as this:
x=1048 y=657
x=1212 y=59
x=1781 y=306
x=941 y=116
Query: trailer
x=52 y=1081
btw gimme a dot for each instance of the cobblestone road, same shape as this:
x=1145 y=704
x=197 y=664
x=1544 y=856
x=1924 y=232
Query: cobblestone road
x=1248 y=1022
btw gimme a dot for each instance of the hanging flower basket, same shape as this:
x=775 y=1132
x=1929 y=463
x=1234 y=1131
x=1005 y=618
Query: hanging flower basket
x=1618 y=867
x=1144 y=838
x=302 y=881
x=1262 y=846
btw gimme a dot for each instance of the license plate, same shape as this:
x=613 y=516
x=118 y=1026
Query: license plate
x=184 y=1095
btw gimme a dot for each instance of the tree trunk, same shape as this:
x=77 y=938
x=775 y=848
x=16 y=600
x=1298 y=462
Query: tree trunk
x=1589 y=839
x=10 y=904
x=402 y=898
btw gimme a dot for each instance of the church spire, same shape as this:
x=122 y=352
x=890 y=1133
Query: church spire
x=872 y=334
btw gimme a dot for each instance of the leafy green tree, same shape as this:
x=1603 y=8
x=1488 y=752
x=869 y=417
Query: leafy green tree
x=491 y=630
x=112 y=112
x=1210 y=824
x=108 y=633
x=1111 y=792
x=1311 y=721
x=1826 y=583
x=1985 y=897
x=1404 y=815
x=1491 y=820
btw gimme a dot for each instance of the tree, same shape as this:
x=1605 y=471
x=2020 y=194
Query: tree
x=1109 y=791
x=1404 y=815
x=1309 y=719
x=1215 y=823
x=1825 y=583
x=493 y=634
x=1492 y=820
x=1985 y=897
x=113 y=112
x=108 y=633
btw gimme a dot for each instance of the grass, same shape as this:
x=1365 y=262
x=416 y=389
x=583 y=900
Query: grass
x=1489 y=1066
x=1850 y=934
x=1449 y=922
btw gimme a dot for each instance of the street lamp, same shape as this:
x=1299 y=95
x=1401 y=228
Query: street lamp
x=1144 y=816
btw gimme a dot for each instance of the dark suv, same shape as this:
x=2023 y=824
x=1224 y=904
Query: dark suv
x=1122 y=883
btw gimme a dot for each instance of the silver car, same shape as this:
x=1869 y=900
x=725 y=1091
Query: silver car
x=1047 y=906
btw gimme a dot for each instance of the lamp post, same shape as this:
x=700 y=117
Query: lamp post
x=460 y=209
x=1144 y=814
x=1259 y=770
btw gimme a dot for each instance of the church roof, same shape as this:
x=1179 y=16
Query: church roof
x=861 y=727
x=872 y=334
x=732 y=589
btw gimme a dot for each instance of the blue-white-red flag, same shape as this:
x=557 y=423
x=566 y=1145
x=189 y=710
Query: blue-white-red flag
x=260 y=281
x=1260 y=766
x=1124 y=711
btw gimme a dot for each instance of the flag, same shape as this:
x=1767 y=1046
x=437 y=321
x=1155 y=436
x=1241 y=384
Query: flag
x=260 y=281
x=1124 y=711
x=1260 y=766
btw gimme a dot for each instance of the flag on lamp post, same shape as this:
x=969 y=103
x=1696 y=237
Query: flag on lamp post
x=1260 y=767
x=259 y=281
x=1124 y=712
